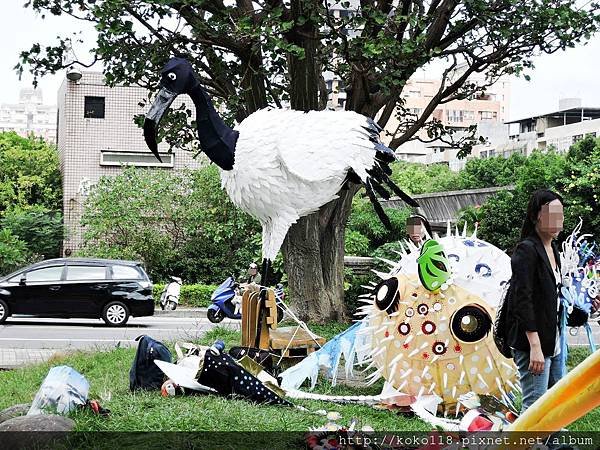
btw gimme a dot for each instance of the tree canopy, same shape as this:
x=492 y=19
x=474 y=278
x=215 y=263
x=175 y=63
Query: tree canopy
x=253 y=54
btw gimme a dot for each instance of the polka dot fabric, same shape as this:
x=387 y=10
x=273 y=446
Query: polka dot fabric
x=222 y=373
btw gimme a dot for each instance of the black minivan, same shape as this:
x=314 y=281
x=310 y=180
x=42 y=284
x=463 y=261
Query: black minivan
x=78 y=287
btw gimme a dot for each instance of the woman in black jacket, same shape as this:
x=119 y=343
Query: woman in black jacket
x=534 y=333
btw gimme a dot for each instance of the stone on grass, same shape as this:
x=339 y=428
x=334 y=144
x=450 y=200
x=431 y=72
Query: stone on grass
x=14 y=411
x=39 y=431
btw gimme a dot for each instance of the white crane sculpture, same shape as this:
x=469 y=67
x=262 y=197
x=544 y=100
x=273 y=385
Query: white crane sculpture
x=279 y=165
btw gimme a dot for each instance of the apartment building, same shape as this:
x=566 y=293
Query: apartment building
x=97 y=136
x=29 y=116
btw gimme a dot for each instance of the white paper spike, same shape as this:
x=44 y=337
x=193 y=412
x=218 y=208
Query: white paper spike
x=372 y=381
x=382 y=275
x=431 y=388
x=448 y=231
x=389 y=262
x=499 y=384
x=464 y=232
x=462 y=377
x=364 y=286
x=489 y=361
x=445 y=378
x=414 y=352
x=420 y=392
x=481 y=379
x=406 y=373
x=397 y=358
x=454 y=392
x=389 y=338
x=402 y=385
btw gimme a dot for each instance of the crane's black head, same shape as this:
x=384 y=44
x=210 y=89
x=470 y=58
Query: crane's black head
x=177 y=77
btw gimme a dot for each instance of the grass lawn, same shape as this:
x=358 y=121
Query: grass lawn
x=108 y=374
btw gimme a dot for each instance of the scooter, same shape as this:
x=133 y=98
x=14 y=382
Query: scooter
x=225 y=298
x=169 y=297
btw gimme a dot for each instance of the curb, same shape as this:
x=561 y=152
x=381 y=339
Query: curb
x=193 y=313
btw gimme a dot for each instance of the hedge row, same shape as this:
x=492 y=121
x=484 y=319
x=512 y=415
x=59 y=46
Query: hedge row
x=196 y=295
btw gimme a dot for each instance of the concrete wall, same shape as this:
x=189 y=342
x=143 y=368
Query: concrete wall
x=441 y=207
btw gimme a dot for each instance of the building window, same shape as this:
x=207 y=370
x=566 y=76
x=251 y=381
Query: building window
x=341 y=102
x=487 y=115
x=577 y=137
x=93 y=108
x=492 y=153
x=483 y=154
x=139 y=159
x=454 y=115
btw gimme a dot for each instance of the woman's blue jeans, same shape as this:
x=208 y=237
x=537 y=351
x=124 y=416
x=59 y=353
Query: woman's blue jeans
x=534 y=386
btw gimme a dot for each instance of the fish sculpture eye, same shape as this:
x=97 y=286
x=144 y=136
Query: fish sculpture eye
x=471 y=323
x=386 y=295
x=172 y=76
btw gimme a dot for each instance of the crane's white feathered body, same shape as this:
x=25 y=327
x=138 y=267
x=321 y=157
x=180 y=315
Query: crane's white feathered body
x=289 y=163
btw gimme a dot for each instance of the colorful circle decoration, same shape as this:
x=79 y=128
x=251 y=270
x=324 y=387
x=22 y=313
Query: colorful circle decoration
x=439 y=348
x=423 y=309
x=404 y=329
x=428 y=327
x=409 y=312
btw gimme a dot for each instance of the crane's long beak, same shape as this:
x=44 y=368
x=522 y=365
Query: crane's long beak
x=572 y=397
x=161 y=103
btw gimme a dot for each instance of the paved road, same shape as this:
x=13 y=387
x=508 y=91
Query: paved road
x=26 y=340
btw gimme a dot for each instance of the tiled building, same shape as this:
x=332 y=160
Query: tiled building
x=29 y=116
x=97 y=136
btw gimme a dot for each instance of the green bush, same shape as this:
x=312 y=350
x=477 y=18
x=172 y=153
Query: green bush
x=192 y=295
x=177 y=223
x=13 y=252
x=353 y=288
x=356 y=244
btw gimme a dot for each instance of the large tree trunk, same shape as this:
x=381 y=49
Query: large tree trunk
x=314 y=260
x=314 y=247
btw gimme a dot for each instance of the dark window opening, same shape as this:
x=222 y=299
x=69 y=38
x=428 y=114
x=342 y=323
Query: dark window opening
x=94 y=108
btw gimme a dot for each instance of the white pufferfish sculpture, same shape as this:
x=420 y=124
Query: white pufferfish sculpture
x=430 y=320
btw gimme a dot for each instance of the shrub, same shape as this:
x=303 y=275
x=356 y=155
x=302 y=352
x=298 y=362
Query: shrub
x=193 y=295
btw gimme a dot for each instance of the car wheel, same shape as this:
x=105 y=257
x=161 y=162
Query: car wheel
x=171 y=306
x=4 y=313
x=115 y=314
x=215 y=316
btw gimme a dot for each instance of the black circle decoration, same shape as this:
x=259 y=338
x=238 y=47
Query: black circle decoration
x=404 y=329
x=428 y=327
x=423 y=309
x=409 y=312
x=387 y=296
x=471 y=323
x=439 y=348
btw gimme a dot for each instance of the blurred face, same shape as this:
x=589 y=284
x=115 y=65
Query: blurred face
x=550 y=219
x=252 y=271
x=415 y=230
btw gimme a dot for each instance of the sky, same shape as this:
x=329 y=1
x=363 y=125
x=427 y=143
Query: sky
x=570 y=73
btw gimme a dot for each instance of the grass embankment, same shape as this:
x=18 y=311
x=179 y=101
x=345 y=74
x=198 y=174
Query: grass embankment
x=108 y=374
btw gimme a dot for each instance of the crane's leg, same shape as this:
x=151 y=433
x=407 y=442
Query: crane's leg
x=266 y=267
